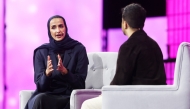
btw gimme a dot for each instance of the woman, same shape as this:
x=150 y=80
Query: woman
x=60 y=66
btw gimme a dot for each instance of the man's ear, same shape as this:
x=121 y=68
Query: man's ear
x=126 y=25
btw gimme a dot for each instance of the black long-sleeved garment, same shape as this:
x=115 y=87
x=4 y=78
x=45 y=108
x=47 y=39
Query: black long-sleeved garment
x=75 y=60
x=140 y=62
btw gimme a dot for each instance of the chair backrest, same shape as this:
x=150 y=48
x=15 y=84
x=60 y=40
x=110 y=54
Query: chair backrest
x=101 y=69
x=182 y=67
x=178 y=94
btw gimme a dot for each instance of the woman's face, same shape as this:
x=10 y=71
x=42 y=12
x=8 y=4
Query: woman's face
x=57 y=29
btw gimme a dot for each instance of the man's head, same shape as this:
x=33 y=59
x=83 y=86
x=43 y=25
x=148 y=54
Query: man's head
x=133 y=16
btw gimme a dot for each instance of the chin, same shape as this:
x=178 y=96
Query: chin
x=59 y=39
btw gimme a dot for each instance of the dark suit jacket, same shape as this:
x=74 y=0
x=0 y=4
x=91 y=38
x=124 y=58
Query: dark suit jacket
x=75 y=60
x=140 y=62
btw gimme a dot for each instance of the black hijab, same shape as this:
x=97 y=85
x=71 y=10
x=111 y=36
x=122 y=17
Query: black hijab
x=58 y=46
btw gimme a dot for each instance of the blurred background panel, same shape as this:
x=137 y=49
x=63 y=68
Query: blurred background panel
x=112 y=10
x=1 y=52
x=155 y=24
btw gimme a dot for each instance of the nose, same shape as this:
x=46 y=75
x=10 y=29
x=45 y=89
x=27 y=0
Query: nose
x=58 y=30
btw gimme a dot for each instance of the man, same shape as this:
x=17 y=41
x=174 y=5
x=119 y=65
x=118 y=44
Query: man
x=140 y=60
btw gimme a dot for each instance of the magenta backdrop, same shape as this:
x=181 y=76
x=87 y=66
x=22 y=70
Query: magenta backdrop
x=1 y=53
x=26 y=29
x=178 y=31
x=178 y=16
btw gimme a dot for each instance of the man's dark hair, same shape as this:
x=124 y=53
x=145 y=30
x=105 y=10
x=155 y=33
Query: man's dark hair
x=135 y=15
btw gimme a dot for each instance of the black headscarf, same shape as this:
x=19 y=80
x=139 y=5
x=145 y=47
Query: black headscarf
x=58 y=46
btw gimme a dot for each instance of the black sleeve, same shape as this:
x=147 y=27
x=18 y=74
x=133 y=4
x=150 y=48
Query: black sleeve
x=125 y=66
x=77 y=78
x=41 y=80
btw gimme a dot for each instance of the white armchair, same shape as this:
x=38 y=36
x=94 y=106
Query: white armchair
x=24 y=96
x=101 y=70
x=176 y=96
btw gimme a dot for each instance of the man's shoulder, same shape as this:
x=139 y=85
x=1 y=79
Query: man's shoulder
x=140 y=43
x=129 y=43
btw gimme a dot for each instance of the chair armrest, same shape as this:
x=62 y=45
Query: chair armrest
x=139 y=87
x=144 y=97
x=80 y=95
x=24 y=96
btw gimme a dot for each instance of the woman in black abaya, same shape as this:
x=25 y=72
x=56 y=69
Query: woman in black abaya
x=60 y=66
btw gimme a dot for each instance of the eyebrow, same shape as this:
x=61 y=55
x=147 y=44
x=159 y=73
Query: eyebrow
x=55 y=25
x=52 y=25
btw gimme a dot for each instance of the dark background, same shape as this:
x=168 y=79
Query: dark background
x=112 y=10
